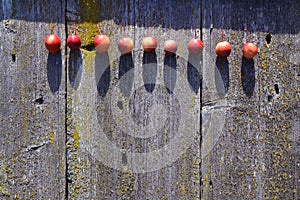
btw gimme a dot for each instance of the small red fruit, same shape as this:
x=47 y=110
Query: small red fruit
x=125 y=45
x=74 y=41
x=149 y=44
x=249 y=50
x=223 y=49
x=101 y=42
x=170 y=47
x=195 y=46
x=52 y=42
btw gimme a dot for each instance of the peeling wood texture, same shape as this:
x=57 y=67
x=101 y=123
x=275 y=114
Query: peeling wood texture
x=83 y=125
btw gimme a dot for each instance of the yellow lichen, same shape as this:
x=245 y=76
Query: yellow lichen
x=89 y=10
x=87 y=32
x=76 y=137
x=51 y=135
x=68 y=144
x=4 y=191
x=89 y=58
x=126 y=183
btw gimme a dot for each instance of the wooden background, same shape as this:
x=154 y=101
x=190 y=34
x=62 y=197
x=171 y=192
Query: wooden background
x=79 y=125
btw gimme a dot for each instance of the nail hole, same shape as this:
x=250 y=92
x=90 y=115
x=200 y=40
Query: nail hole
x=13 y=57
x=268 y=38
x=270 y=97
x=39 y=100
x=124 y=159
x=120 y=105
x=276 y=88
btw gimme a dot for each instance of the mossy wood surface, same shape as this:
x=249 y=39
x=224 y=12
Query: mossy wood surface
x=123 y=98
x=250 y=111
x=83 y=125
x=32 y=102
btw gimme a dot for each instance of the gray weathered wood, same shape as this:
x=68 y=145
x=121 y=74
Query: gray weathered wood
x=250 y=146
x=72 y=128
x=97 y=113
x=32 y=106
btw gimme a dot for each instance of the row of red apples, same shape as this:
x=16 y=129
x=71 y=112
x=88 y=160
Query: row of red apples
x=125 y=45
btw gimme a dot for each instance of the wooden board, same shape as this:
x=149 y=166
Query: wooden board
x=32 y=105
x=131 y=138
x=250 y=146
x=80 y=125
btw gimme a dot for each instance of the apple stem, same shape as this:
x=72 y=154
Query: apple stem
x=248 y=36
x=124 y=32
x=99 y=29
x=74 y=29
x=52 y=30
x=151 y=30
x=195 y=33
x=222 y=35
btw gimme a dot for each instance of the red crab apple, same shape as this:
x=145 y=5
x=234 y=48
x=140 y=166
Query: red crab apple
x=52 y=42
x=249 y=50
x=223 y=49
x=170 y=47
x=101 y=42
x=74 y=41
x=149 y=44
x=125 y=45
x=195 y=45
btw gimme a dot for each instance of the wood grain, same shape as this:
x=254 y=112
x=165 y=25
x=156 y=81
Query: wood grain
x=149 y=155
x=32 y=113
x=250 y=111
x=80 y=125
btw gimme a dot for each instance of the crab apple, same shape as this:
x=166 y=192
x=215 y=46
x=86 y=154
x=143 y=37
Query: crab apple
x=170 y=47
x=52 y=42
x=101 y=42
x=249 y=50
x=74 y=41
x=195 y=46
x=223 y=49
x=125 y=45
x=149 y=44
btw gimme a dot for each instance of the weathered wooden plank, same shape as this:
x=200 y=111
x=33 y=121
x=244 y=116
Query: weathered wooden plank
x=125 y=142
x=250 y=146
x=32 y=106
x=135 y=144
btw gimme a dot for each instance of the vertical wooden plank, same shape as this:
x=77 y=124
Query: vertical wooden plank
x=180 y=180
x=126 y=142
x=32 y=106
x=250 y=112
